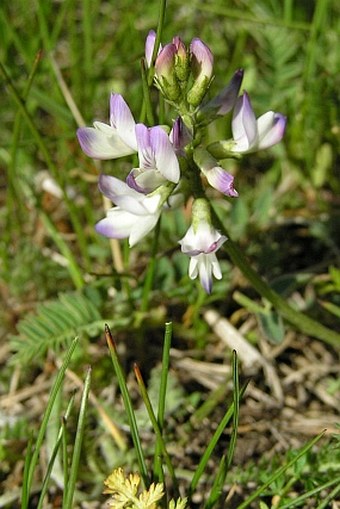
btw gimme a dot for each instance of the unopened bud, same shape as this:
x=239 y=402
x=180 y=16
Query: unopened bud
x=165 y=73
x=201 y=62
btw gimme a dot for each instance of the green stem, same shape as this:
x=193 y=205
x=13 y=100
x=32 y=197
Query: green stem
x=150 y=274
x=147 y=105
x=161 y=19
x=301 y=321
x=80 y=432
x=157 y=468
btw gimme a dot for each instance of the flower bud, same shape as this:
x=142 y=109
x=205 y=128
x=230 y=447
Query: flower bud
x=217 y=177
x=150 y=46
x=181 y=60
x=201 y=62
x=180 y=136
x=165 y=74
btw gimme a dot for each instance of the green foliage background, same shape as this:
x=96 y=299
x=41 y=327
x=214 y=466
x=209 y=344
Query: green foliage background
x=287 y=219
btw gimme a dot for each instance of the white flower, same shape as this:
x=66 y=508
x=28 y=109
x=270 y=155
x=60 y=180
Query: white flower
x=135 y=215
x=201 y=243
x=105 y=141
x=251 y=134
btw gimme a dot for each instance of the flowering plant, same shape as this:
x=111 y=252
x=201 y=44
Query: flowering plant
x=170 y=158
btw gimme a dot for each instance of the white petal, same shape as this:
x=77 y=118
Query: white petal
x=148 y=180
x=142 y=227
x=102 y=143
x=205 y=272
x=216 y=269
x=151 y=203
x=193 y=267
x=122 y=195
x=117 y=224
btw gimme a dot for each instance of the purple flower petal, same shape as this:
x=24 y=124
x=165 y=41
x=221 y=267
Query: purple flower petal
x=180 y=47
x=149 y=47
x=164 y=65
x=271 y=127
x=179 y=136
x=226 y=99
x=221 y=180
x=145 y=181
x=244 y=125
x=202 y=59
x=165 y=157
x=145 y=155
x=131 y=182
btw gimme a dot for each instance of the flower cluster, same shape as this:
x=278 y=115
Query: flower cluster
x=172 y=161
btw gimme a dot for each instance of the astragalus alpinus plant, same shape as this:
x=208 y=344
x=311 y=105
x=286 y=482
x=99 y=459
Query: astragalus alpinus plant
x=174 y=162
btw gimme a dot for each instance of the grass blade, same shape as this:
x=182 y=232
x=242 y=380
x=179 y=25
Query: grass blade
x=157 y=469
x=71 y=485
x=128 y=406
x=280 y=471
x=156 y=427
x=217 y=489
x=212 y=444
x=55 y=389
x=299 y=500
x=54 y=454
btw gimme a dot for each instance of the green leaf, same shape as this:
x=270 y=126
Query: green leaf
x=54 y=325
x=272 y=326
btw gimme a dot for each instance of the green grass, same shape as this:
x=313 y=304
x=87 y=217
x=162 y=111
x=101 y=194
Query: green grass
x=60 y=279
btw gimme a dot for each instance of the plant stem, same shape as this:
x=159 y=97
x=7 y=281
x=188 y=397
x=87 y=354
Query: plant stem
x=161 y=19
x=150 y=270
x=303 y=322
